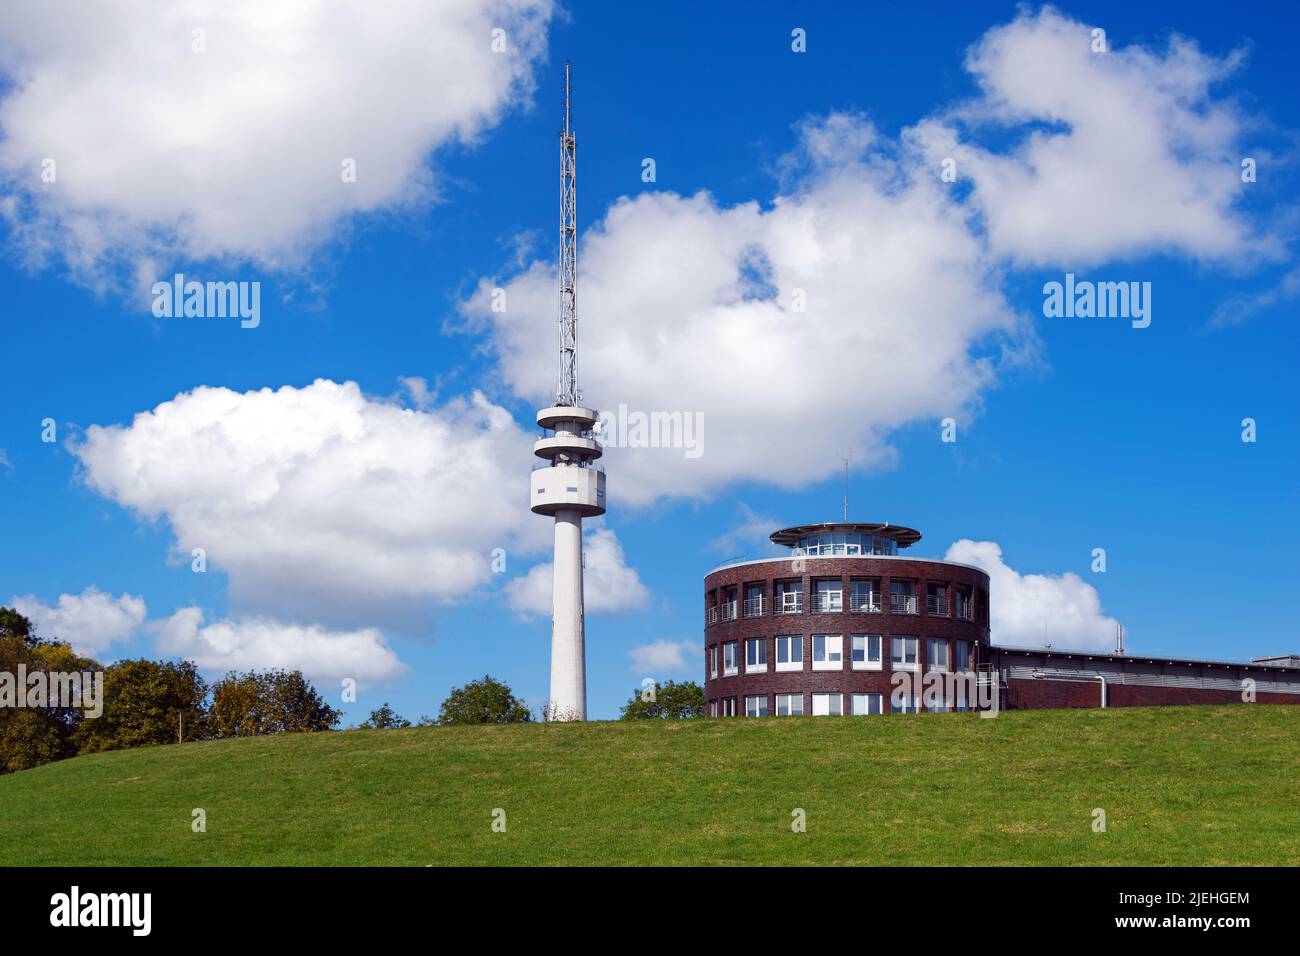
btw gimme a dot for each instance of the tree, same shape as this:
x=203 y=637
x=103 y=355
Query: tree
x=31 y=736
x=146 y=703
x=385 y=718
x=670 y=701
x=272 y=702
x=485 y=701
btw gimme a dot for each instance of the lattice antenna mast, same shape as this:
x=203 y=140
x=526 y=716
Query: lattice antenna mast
x=567 y=392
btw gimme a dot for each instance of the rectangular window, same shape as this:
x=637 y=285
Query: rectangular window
x=866 y=652
x=902 y=597
x=789 y=597
x=729 y=707
x=789 y=653
x=827 y=652
x=730 y=658
x=828 y=705
x=756 y=706
x=902 y=653
x=936 y=654
x=936 y=600
x=755 y=655
x=713 y=661
x=829 y=597
x=754 y=600
x=789 y=705
x=713 y=708
x=961 y=656
x=864 y=704
x=864 y=596
x=905 y=704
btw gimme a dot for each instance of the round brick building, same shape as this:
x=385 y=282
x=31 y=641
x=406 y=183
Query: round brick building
x=824 y=630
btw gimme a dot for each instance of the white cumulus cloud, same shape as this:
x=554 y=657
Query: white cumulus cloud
x=163 y=149
x=609 y=584
x=90 y=621
x=322 y=504
x=662 y=657
x=859 y=284
x=1027 y=607
x=1115 y=154
x=264 y=644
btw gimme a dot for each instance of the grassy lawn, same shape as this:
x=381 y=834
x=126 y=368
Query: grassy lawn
x=1193 y=785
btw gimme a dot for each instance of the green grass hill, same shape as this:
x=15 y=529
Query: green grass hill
x=1190 y=785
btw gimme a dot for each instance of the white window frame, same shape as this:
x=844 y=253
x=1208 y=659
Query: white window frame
x=728 y=707
x=759 y=666
x=862 y=704
x=867 y=664
x=904 y=665
x=733 y=668
x=833 y=591
x=969 y=654
x=931 y=643
x=832 y=652
x=713 y=662
x=910 y=705
x=787 y=640
x=789 y=700
x=832 y=703
x=756 y=700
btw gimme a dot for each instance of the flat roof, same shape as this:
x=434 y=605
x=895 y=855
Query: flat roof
x=904 y=537
x=1140 y=658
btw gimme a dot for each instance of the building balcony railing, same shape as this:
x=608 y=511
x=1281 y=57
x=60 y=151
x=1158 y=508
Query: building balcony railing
x=711 y=616
x=727 y=611
x=754 y=607
x=964 y=611
x=937 y=606
x=902 y=603
x=828 y=602
x=791 y=603
x=865 y=603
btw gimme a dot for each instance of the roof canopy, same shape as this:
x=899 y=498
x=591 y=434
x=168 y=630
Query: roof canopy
x=903 y=537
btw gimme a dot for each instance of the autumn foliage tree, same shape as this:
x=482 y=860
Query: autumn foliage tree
x=31 y=736
x=145 y=703
x=268 y=702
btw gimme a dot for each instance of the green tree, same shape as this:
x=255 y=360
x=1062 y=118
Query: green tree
x=31 y=736
x=485 y=701
x=670 y=701
x=146 y=703
x=385 y=718
x=271 y=702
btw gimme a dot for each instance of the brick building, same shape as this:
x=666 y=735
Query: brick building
x=847 y=625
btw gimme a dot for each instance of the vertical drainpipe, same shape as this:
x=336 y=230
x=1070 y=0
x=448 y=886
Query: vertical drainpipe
x=1102 y=678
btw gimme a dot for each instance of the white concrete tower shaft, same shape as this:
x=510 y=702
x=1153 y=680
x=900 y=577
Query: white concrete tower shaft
x=569 y=486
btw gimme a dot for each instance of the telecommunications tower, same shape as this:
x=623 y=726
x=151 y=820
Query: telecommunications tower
x=568 y=486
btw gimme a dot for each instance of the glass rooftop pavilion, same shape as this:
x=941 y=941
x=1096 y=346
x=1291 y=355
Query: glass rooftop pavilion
x=842 y=539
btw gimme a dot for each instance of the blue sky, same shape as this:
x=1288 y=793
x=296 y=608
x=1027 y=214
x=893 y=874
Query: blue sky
x=1099 y=435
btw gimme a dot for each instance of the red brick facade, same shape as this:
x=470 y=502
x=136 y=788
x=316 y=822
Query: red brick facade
x=767 y=626
x=1026 y=678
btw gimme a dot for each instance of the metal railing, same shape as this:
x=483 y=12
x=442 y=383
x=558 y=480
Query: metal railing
x=964 y=610
x=902 y=603
x=868 y=603
x=754 y=607
x=828 y=602
x=711 y=616
x=728 y=610
x=791 y=602
x=936 y=605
